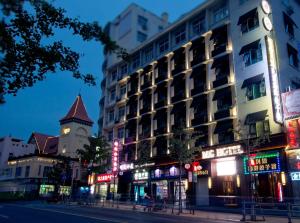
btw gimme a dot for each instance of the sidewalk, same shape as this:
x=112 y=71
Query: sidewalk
x=233 y=217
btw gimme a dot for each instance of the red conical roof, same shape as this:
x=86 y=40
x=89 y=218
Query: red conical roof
x=77 y=113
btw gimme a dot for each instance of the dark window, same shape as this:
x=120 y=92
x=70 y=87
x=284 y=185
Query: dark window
x=163 y=45
x=259 y=129
x=179 y=35
x=220 y=13
x=141 y=37
x=111 y=116
x=143 y=22
x=113 y=95
x=256 y=90
x=18 y=171
x=47 y=170
x=293 y=56
x=148 y=54
x=289 y=25
x=135 y=61
x=27 y=171
x=110 y=136
x=198 y=25
x=249 y=21
x=122 y=90
x=243 y=1
x=39 y=171
x=120 y=133
x=113 y=75
x=123 y=69
x=121 y=111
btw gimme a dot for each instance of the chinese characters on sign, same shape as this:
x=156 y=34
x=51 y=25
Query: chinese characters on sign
x=141 y=175
x=264 y=163
x=295 y=176
x=101 y=178
x=292 y=133
x=115 y=155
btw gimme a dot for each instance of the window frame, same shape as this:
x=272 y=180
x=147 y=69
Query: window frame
x=250 y=54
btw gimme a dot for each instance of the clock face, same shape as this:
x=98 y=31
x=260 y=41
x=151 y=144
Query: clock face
x=265 y=6
x=66 y=131
x=267 y=23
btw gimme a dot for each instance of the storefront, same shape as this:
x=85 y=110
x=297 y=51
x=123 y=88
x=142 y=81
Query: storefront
x=46 y=190
x=268 y=179
x=140 y=184
x=102 y=184
x=293 y=157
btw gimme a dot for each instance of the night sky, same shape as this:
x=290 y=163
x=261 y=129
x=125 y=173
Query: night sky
x=38 y=109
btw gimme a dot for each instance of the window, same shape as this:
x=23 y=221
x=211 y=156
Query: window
x=111 y=116
x=110 y=136
x=39 y=171
x=121 y=111
x=148 y=53
x=198 y=26
x=293 y=56
x=120 y=133
x=113 y=75
x=122 y=90
x=47 y=170
x=135 y=61
x=27 y=171
x=220 y=13
x=143 y=22
x=163 y=45
x=249 y=21
x=141 y=37
x=243 y=1
x=160 y=28
x=259 y=129
x=123 y=69
x=179 y=35
x=18 y=171
x=252 y=55
x=112 y=95
x=256 y=90
x=289 y=25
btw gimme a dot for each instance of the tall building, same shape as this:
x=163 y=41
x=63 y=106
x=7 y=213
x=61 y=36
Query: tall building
x=219 y=70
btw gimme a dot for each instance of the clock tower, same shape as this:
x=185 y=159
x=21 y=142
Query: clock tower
x=75 y=129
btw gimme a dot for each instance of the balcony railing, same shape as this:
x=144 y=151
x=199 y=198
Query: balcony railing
x=160 y=130
x=221 y=80
x=219 y=49
x=199 y=119
x=198 y=89
x=161 y=103
x=224 y=113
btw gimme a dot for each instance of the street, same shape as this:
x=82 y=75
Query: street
x=37 y=213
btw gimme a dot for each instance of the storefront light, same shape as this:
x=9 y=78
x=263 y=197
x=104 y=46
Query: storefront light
x=209 y=183
x=283 y=178
x=238 y=181
x=226 y=167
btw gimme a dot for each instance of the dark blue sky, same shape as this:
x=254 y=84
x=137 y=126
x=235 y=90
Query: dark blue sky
x=39 y=108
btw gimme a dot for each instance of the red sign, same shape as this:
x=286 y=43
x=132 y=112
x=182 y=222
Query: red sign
x=102 y=178
x=115 y=155
x=292 y=133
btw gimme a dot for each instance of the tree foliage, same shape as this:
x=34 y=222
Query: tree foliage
x=96 y=153
x=27 y=53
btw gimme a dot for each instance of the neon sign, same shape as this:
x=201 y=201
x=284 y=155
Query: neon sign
x=292 y=130
x=222 y=152
x=295 y=176
x=101 y=178
x=115 y=155
x=274 y=80
x=265 y=163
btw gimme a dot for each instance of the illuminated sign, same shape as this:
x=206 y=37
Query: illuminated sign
x=291 y=104
x=267 y=23
x=222 y=152
x=292 y=133
x=141 y=175
x=265 y=6
x=262 y=163
x=202 y=172
x=115 y=155
x=293 y=159
x=126 y=166
x=276 y=99
x=295 y=176
x=102 y=178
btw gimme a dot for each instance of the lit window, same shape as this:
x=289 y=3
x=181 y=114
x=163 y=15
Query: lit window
x=226 y=167
x=293 y=56
x=220 y=14
x=66 y=131
x=256 y=90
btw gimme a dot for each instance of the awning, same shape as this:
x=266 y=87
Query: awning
x=218 y=32
x=253 y=80
x=253 y=45
x=256 y=117
x=221 y=93
x=288 y=19
x=220 y=60
x=247 y=15
x=224 y=126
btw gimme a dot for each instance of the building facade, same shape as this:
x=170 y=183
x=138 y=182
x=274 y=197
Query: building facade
x=25 y=166
x=219 y=70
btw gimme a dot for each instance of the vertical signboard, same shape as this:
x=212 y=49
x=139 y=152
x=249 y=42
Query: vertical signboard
x=115 y=156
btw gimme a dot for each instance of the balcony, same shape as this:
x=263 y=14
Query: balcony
x=198 y=89
x=224 y=113
x=199 y=119
x=160 y=130
x=219 y=49
x=161 y=103
x=130 y=139
x=178 y=97
x=197 y=59
x=120 y=119
x=146 y=108
x=221 y=80
x=145 y=134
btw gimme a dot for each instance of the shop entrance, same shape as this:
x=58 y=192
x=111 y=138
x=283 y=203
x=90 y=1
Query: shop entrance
x=267 y=187
x=139 y=192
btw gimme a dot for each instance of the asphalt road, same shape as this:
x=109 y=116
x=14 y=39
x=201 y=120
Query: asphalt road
x=41 y=213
